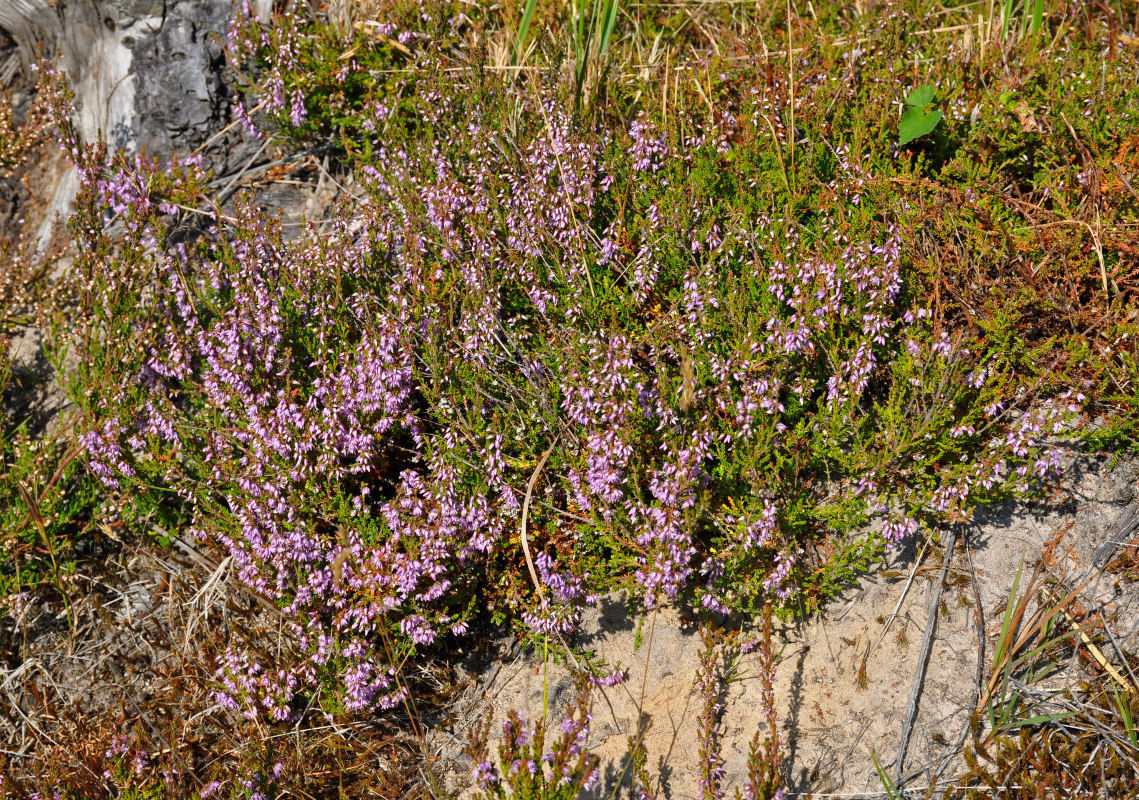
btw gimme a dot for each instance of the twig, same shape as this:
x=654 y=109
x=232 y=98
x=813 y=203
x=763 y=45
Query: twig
x=1119 y=652
x=211 y=567
x=526 y=545
x=979 y=680
x=16 y=705
x=522 y=523
x=1095 y=651
x=232 y=187
x=324 y=173
x=923 y=658
x=228 y=128
x=1096 y=242
x=237 y=176
x=214 y=215
x=905 y=591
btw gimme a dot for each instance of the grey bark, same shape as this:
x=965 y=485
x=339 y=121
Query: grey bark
x=147 y=74
x=33 y=24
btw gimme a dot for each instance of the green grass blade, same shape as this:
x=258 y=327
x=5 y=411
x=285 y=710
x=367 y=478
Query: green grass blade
x=887 y=782
x=1039 y=720
x=608 y=22
x=594 y=29
x=1029 y=655
x=579 y=36
x=524 y=30
x=1003 y=641
x=1037 y=16
x=1002 y=657
x=1125 y=714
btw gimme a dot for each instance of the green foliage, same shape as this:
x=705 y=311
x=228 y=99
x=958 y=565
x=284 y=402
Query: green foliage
x=1014 y=217
x=47 y=497
x=46 y=500
x=916 y=121
x=888 y=784
x=1034 y=15
x=592 y=23
x=1011 y=220
x=914 y=422
x=523 y=30
x=524 y=768
x=1019 y=659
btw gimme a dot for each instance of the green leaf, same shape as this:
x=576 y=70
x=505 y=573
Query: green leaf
x=523 y=29
x=917 y=123
x=887 y=784
x=921 y=97
x=1022 y=723
x=608 y=20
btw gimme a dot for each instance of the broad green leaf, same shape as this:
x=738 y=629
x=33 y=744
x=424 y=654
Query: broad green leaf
x=921 y=97
x=917 y=123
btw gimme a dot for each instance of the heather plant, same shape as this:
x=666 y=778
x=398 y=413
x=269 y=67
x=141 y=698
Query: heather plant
x=315 y=78
x=714 y=335
x=46 y=495
x=17 y=139
x=525 y=769
x=718 y=667
x=710 y=687
x=26 y=294
x=620 y=332
x=765 y=769
x=46 y=502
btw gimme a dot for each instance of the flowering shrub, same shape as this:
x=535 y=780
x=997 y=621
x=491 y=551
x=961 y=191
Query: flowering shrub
x=358 y=417
x=650 y=353
x=711 y=689
x=313 y=78
x=46 y=495
x=525 y=769
x=714 y=337
x=718 y=666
